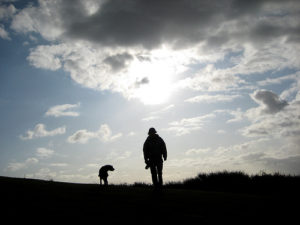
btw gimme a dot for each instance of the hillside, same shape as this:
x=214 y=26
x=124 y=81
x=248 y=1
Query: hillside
x=38 y=201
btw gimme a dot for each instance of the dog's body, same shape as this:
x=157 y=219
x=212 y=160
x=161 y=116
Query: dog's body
x=103 y=173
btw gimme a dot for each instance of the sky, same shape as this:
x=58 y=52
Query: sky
x=82 y=81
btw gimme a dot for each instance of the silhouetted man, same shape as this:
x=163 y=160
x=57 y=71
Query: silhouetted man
x=103 y=173
x=154 y=150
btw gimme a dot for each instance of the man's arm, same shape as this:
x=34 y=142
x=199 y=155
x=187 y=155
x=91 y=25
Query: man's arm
x=145 y=152
x=164 y=150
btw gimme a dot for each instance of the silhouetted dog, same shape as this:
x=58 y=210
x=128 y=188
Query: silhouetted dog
x=103 y=173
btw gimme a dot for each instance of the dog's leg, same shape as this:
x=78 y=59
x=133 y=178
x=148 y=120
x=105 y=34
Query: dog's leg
x=105 y=181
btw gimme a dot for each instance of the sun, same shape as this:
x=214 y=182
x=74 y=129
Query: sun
x=157 y=91
x=153 y=77
x=153 y=82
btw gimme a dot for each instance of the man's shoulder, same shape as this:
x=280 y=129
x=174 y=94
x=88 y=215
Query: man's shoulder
x=160 y=138
x=155 y=138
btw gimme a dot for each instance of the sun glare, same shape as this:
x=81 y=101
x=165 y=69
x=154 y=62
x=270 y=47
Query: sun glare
x=154 y=77
x=157 y=91
x=157 y=85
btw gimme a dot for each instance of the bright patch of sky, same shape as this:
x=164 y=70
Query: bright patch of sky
x=83 y=81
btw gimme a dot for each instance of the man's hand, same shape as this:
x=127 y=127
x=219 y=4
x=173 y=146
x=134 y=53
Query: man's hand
x=147 y=164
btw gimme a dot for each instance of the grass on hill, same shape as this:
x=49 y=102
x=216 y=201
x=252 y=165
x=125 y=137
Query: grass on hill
x=205 y=199
x=238 y=181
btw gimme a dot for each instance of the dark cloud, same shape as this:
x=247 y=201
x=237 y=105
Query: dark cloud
x=145 y=23
x=288 y=164
x=254 y=156
x=269 y=100
x=118 y=62
x=178 y=22
x=143 y=81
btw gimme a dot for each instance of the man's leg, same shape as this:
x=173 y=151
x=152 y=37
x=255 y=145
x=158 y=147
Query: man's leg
x=159 y=172
x=153 y=174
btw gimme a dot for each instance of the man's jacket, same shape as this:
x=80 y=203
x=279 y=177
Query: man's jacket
x=154 y=149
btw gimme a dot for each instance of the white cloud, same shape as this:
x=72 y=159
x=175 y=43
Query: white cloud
x=46 y=57
x=93 y=165
x=187 y=125
x=131 y=134
x=44 y=19
x=164 y=110
x=59 y=164
x=44 y=152
x=221 y=131
x=65 y=176
x=155 y=115
x=117 y=156
x=273 y=56
x=3 y=33
x=150 y=118
x=113 y=58
x=211 y=79
x=7 y=11
x=238 y=115
x=195 y=151
x=40 y=131
x=14 y=166
x=63 y=110
x=278 y=80
x=125 y=155
x=212 y=98
x=253 y=59
x=89 y=66
x=224 y=157
x=274 y=117
x=83 y=136
x=44 y=173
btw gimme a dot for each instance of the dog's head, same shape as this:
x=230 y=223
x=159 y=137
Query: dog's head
x=110 y=168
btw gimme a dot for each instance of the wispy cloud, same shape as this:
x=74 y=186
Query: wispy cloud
x=59 y=164
x=116 y=156
x=238 y=115
x=273 y=117
x=6 y=13
x=278 y=80
x=14 y=166
x=40 y=131
x=150 y=118
x=44 y=152
x=164 y=110
x=63 y=110
x=195 y=151
x=104 y=134
x=131 y=134
x=3 y=33
x=212 y=98
x=158 y=114
x=187 y=125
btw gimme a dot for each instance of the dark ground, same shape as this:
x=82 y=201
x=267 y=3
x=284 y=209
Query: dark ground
x=36 y=201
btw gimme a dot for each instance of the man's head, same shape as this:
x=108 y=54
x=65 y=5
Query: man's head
x=151 y=131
